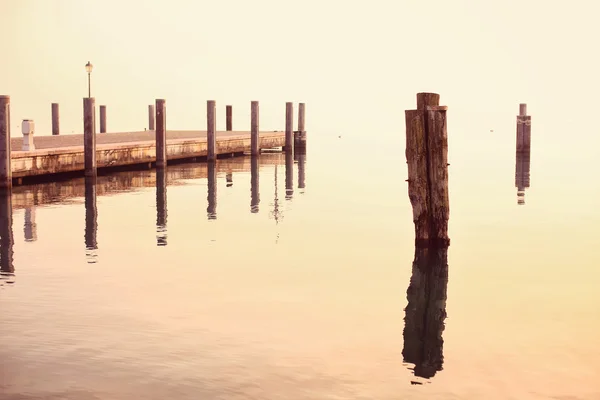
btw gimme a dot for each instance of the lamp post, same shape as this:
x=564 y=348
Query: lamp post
x=88 y=68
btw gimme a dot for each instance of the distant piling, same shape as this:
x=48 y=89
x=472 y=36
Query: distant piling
x=161 y=133
x=254 y=129
x=427 y=159
x=211 y=130
x=289 y=127
x=523 y=129
x=55 y=119
x=300 y=134
x=228 y=118
x=151 y=116
x=102 y=119
x=89 y=136
x=5 y=161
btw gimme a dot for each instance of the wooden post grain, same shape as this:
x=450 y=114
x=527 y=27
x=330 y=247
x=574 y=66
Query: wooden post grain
x=211 y=130
x=151 y=116
x=89 y=136
x=5 y=150
x=427 y=159
x=289 y=127
x=254 y=129
x=55 y=119
x=228 y=118
x=161 y=133
x=102 y=119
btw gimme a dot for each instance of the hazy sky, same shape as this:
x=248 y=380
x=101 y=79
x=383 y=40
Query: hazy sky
x=357 y=65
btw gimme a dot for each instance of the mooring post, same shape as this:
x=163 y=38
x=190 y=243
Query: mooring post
x=151 y=115
x=289 y=127
x=161 y=133
x=161 y=206
x=300 y=134
x=228 y=118
x=254 y=184
x=55 y=120
x=254 y=133
x=523 y=129
x=211 y=130
x=102 y=119
x=427 y=159
x=89 y=135
x=5 y=161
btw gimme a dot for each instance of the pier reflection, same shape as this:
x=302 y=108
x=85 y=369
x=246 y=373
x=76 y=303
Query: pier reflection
x=426 y=312
x=7 y=269
x=161 y=206
x=211 y=210
x=91 y=220
x=289 y=175
x=254 y=185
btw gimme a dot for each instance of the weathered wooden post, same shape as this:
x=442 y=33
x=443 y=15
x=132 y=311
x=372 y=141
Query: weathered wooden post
x=228 y=118
x=55 y=119
x=89 y=136
x=5 y=160
x=161 y=206
x=161 y=133
x=254 y=185
x=102 y=119
x=91 y=219
x=289 y=175
x=523 y=129
x=427 y=159
x=6 y=233
x=300 y=134
x=289 y=127
x=211 y=210
x=301 y=117
x=151 y=115
x=211 y=130
x=254 y=130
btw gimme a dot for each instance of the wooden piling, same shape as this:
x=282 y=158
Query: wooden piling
x=161 y=133
x=523 y=129
x=228 y=118
x=151 y=116
x=254 y=138
x=301 y=128
x=211 y=128
x=161 y=206
x=6 y=233
x=5 y=151
x=427 y=159
x=289 y=127
x=89 y=136
x=55 y=119
x=254 y=185
x=102 y=119
x=300 y=134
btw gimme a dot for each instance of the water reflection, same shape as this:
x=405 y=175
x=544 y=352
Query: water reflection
x=301 y=158
x=229 y=179
x=161 y=206
x=91 y=220
x=254 y=185
x=289 y=175
x=30 y=227
x=522 y=175
x=426 y=312
x=7 y=269
x=211 y=210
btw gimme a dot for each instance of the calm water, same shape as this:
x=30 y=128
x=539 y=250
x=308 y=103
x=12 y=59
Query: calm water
x=289 y=279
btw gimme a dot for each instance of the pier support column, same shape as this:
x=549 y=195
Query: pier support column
x=151 y=117
x=289 y=127
x=102 y=119
x=161 y=133
x=89 y=136
x=55 y=120
x=254 y=129
x=5 y=164
x=228 y=118
x=211 y=134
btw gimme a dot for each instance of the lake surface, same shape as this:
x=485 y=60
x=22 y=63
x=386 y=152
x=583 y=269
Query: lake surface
x=288 y=279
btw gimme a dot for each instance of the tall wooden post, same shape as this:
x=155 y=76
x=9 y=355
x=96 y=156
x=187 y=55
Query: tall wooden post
x=151 y=115
x=254 y=185
x=55 y=119
x=89 y=135
x=91 y=219
x=289 y=127
x=6 y=234
x=161 y=133
x=5 y=160
x=211 y=210
x=301 y=128
x=102 y=119
x=161 y=206
x=211 y=130
x=228 y=118
x=254 y=129
x=427 y=158
x=523 y=129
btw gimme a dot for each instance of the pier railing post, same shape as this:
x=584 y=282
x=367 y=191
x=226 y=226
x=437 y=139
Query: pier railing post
x=161 y=133
x=102 y=119
x=254 y=129
x=151 y=113
x=89 y=136
x=55 y=120
x=427 y=159
x=289 y=127
x=5 y=161
x=211 y=130
x=228 y=118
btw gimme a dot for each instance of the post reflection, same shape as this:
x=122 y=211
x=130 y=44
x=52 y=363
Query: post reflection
x=7 y=269
x=426 y=311
x=289 y=175
x=161 y=206
x=30 y=227
x=254 y=185
x=211 y=210
x=229 y=179
x=91 y=220
x=301 y=158
x=522 y=175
